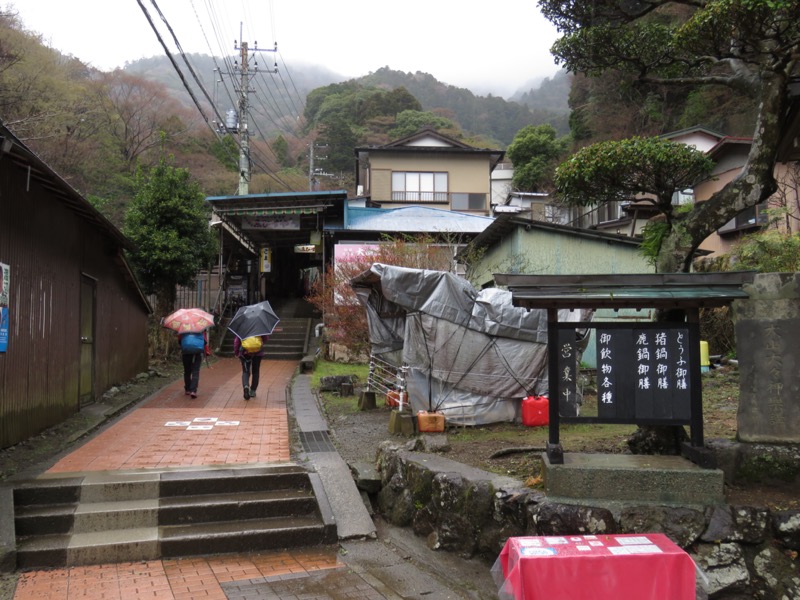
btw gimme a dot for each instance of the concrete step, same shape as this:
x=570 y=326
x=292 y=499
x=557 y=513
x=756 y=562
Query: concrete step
x=291 y=342
x=153 y=543
x=66 y=550
x=632 y=478
x=107 y=516
x=145 y=515
x=288 y=355
x=243 y=536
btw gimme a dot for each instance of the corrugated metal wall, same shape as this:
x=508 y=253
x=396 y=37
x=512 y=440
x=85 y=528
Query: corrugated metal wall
x=48 y=247
x=120 y=334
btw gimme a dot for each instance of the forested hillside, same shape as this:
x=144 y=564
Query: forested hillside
x=97 y=128
x=611 y=106
x=490 y=116
x=282 y=95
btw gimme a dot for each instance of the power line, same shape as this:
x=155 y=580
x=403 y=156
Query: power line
x=244 y=149
x=186 y=60
x=172 y=60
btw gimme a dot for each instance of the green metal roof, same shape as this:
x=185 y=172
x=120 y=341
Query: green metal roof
x=668 y=290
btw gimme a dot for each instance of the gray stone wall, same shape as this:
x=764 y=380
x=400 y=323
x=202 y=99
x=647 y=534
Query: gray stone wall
x=767 y=329
x=743 y=552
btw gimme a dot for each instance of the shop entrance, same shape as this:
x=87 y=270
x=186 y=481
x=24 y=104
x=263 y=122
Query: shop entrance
x=272 y=244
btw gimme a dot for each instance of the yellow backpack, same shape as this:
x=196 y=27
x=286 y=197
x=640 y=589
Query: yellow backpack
x=252 y=345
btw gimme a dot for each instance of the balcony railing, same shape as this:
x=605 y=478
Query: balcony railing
x=420 y=197
x=586 y=219
x=456 y=200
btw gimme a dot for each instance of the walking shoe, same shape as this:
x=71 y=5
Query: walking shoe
x=193 y=394
x=252 y=393
x=246 y=393
x=186 y=392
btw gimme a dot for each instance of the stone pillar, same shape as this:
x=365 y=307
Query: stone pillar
x=768 y=348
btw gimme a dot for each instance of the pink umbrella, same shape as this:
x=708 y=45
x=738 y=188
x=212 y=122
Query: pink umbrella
x=188 y=320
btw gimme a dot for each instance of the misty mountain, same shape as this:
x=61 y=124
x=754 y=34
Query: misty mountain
x=551 y=93
x=490 y=116
x=279 y=97
x=277 y=100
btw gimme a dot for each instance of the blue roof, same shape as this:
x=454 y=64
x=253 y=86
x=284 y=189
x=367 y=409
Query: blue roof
x=414 y=219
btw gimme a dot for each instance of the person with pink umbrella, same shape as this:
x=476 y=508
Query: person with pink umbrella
x=191 y=325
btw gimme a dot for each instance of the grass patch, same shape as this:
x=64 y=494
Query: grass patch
x=334 y=402
x=325 y=368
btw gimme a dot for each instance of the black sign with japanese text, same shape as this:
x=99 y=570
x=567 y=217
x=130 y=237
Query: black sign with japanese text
x=642 y=373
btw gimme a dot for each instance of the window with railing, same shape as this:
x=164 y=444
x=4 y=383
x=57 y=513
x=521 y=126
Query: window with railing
x=754 y=216
x=599 y=213
x=419 y=187
x=557 y=213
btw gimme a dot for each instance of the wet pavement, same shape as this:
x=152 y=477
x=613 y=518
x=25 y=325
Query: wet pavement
x=172 y=430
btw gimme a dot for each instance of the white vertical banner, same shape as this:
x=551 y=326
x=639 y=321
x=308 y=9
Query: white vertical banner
x=265 y=260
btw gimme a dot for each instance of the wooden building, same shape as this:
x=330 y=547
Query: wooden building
x=74 y=320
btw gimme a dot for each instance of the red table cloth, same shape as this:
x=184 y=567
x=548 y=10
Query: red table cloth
x=647 y=566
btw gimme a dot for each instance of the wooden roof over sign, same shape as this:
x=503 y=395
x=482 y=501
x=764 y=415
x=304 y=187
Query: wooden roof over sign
x=659 y=290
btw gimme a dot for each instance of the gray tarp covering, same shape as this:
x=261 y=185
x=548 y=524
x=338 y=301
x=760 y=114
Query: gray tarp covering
x=471 y=355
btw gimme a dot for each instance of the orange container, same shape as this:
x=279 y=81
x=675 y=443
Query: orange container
x=393 y=398
x=535 y=411
x=430 y=422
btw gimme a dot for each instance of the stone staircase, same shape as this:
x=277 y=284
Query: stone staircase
x=291 y=342
x=122 y=516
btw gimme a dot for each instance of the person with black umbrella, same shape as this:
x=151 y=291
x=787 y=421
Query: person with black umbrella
x=252 y=326
x=250 y=351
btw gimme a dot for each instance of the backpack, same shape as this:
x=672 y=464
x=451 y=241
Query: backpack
x=192 y=343
x=252 y=345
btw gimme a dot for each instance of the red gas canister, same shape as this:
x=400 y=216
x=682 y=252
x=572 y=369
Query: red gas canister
x=535 y=411
x=393 y=398
x=430 y=421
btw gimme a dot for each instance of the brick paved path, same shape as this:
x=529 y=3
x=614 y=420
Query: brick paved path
x=171 y=429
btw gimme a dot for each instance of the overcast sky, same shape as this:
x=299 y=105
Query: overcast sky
x=482 y=46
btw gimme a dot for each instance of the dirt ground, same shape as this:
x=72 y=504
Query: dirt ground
x=515 y=450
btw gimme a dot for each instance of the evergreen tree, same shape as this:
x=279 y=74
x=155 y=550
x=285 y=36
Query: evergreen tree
x=746 y=45
x=534 y=152
x=167 y=220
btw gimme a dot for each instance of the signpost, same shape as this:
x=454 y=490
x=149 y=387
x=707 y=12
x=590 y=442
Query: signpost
x=648 y=373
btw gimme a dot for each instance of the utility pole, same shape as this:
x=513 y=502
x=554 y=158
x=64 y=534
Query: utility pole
x=244 y=107
x=311 y=179
x=313 y=172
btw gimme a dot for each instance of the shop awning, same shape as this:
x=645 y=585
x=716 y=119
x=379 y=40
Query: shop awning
x=272 y=211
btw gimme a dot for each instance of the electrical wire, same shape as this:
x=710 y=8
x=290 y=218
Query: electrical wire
x=174 y=64
x=186 y=60
x=253 y=159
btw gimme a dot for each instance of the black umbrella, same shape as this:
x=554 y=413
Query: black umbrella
x=253 y=320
